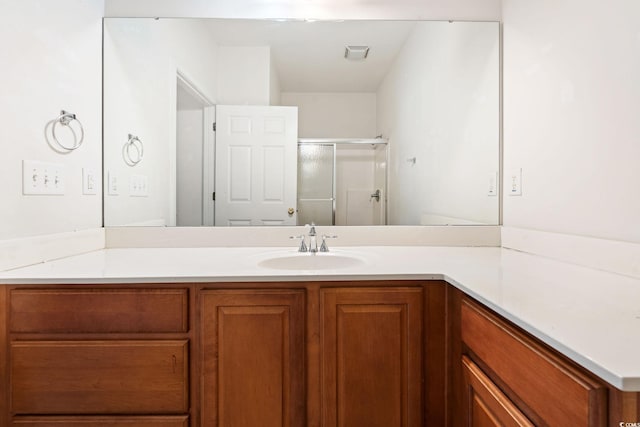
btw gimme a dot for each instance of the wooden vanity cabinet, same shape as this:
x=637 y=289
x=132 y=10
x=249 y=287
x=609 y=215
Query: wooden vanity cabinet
x=266 y=353
x=211 y=355
x=287 y=354
x=507 y=375
x=98 y=356
x=485 y=404
x=253 y=358
x=371 y=357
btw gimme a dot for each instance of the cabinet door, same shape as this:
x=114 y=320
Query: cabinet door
x=371 y=357
x=485 y=405
x=253 y=358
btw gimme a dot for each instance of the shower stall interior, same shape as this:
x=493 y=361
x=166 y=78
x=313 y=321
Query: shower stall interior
x=342 y=181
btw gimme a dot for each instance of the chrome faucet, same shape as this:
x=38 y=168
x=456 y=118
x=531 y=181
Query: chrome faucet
x=303 y=246
x=323 y=246
x=313 y=242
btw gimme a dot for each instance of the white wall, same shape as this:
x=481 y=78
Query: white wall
x=439 y=104
x=274 y=83
x=244 y=75
x=572 y=116
x=334 y=115
x=142 y=59
x=189 y=135
x=51 y=60
x=354 y=185
x=321 y=9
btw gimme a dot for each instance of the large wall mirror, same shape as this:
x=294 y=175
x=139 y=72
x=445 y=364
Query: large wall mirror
x=231 y=122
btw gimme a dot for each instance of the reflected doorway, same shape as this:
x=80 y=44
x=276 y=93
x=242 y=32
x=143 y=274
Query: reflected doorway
x=192 y=136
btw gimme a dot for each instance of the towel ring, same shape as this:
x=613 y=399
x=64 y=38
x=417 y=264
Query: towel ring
x=65 y=119
x=132 y=151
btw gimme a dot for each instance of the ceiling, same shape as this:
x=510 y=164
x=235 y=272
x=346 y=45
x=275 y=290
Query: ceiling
x=309 y=56
x=439 y=10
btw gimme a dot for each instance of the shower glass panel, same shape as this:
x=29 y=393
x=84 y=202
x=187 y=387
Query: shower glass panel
x=316 y=183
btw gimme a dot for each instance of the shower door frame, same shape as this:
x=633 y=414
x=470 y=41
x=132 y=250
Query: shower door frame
x=327 y=143
x=334 y=142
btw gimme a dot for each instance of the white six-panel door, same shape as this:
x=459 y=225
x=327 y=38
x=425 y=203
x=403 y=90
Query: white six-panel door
x=256 y=165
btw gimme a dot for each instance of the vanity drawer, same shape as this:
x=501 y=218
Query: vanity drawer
x=557 y=392
x=99 y=377
x=98 y=310
x=160 y=421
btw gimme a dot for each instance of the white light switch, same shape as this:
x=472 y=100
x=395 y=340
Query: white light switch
x=42 y=178
x=138 y=186
x=514 y=182
x=113 y=188
x=89 y=182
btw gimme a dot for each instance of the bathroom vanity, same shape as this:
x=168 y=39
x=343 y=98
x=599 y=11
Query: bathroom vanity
x=100 y=342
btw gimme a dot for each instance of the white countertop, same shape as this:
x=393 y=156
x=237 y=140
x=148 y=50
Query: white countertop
x=592 y=317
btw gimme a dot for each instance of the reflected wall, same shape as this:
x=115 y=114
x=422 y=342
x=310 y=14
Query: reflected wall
x=435 y=98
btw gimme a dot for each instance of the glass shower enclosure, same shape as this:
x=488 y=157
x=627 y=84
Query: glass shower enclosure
x=342 y=181
x=316 y=183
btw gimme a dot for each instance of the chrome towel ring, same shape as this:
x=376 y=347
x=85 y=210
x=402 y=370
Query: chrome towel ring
x=66 y=119
x=132 y=151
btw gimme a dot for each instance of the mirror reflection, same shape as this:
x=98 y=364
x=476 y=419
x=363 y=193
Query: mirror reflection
x=258 y=122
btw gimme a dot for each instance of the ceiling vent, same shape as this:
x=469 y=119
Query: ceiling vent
x=356 y=53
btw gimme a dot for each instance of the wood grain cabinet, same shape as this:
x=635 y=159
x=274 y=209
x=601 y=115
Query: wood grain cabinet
x=98 y=421
x=98 y=356
x=371 y=357
x=99 y=377
x=288 y=354
x=369 y=361
x=547 y=388
x=485 y=405
x=253 y=356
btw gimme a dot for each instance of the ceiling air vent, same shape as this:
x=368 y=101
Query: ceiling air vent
x=356 y=53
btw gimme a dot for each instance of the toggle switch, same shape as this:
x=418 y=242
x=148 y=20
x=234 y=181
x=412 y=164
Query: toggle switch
x=42 y=178
x=514 y=182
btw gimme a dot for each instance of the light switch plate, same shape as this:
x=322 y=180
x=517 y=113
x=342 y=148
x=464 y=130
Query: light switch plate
x=42 y=178
x=113 y=186
x=89 y=181
x=138 y=186
x=514 y=182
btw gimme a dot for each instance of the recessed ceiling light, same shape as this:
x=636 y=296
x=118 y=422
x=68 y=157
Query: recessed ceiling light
x=356 y=53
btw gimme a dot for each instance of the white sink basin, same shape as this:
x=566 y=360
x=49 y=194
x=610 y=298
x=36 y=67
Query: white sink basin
x=306 y=261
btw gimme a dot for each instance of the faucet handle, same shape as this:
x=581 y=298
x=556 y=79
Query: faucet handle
x=312 y=228
x=303 y=246
x=323 y=246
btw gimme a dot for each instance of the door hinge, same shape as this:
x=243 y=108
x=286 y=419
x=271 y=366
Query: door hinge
x=214 y=126
x=213 y=196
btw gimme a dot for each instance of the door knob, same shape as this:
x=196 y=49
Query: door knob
x=291 y=211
